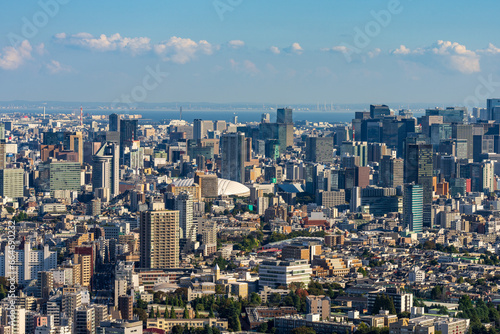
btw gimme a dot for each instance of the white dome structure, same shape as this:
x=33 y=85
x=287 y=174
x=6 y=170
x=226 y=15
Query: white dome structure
x=225 y=187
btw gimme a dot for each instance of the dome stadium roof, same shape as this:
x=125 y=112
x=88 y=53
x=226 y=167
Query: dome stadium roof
x=225 y=187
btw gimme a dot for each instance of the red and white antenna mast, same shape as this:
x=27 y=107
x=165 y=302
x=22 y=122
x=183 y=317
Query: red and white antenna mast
x=81 y=116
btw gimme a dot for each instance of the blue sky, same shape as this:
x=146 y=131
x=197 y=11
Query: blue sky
x=275 y=51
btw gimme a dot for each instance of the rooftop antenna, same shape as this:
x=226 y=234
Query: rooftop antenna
x=180 y=111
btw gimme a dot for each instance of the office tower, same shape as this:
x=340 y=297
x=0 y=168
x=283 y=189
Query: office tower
x=438 y=133
x=114 y=122
x=395 y=131
x=355 y=148
x=355 y=200
x=376 y=151
x=3 y=155
x=126 y=307
x=159 y=239
x=319 y=149
x=413 y=207
x=84 y=320
x=450 y=114
x=232 y=147
x=284 y=116
x=361 y=115
x=448 y=167
x=284 y=122
x=220 y=126
x=248 y=149
x=201 y=127
x=419 y=170
x=493 y=109
x=105 y=171
x=209 y=185
x=44 y=284
x=184 y=204
x=379 y=111
x=128 y=130
x=391 y=172
x=427 y=121
x=265 y=118
x=70 y=141
x=12 y=183
x=65 y=176
x=482 y=144
x=371 y=130
x=380 y=201
x=463 y=131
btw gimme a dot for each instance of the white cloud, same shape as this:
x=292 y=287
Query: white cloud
x=294 y=48
x=13 y=57
x=374 y=53
x=402 y=50
x=492 y=50
x=275 y=50
x=235 y=44
x=56 y=67
x=105 y=43
x=176 y=49
x=451 y=55
x=250 y=67
x=181 y=50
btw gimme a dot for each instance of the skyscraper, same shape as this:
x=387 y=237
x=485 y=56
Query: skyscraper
x=201 y=127
x=319 y=149
x=114 y=122
x=284 y=116
x=493 y=109
x=232 y=148
x=413 y=207
x=419 y=170
x=65 y=176
x=12 y=183
x=184 y=204
x=391 y=172
x=379 y=111
x=128 y=130
x=105 y=173
x=159 y=239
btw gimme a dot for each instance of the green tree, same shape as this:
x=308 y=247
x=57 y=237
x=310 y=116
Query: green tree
x=255 y=299
x=172 y=313
x=303 y=330
x=157 y=312
x=186 y=313
x=141 y=313
x=383 y=302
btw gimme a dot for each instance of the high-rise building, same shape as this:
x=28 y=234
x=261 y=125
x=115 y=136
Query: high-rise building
x=65 y=176
x=379 y=111
x=12 y=183
x=159 y=239
x=493 y=109
x=84 y=320
x=114 y=122
x=44 y=284
x=284 y=116
x=232 y=147
x=70 y=141
x=391 y=172
x=319 y=149
x=413 y=207
x=105 y=173
x=128 y=130
x=184 y=204
x=201 y=128
x=284 y=122
x=463 y=131
x=419 y=170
